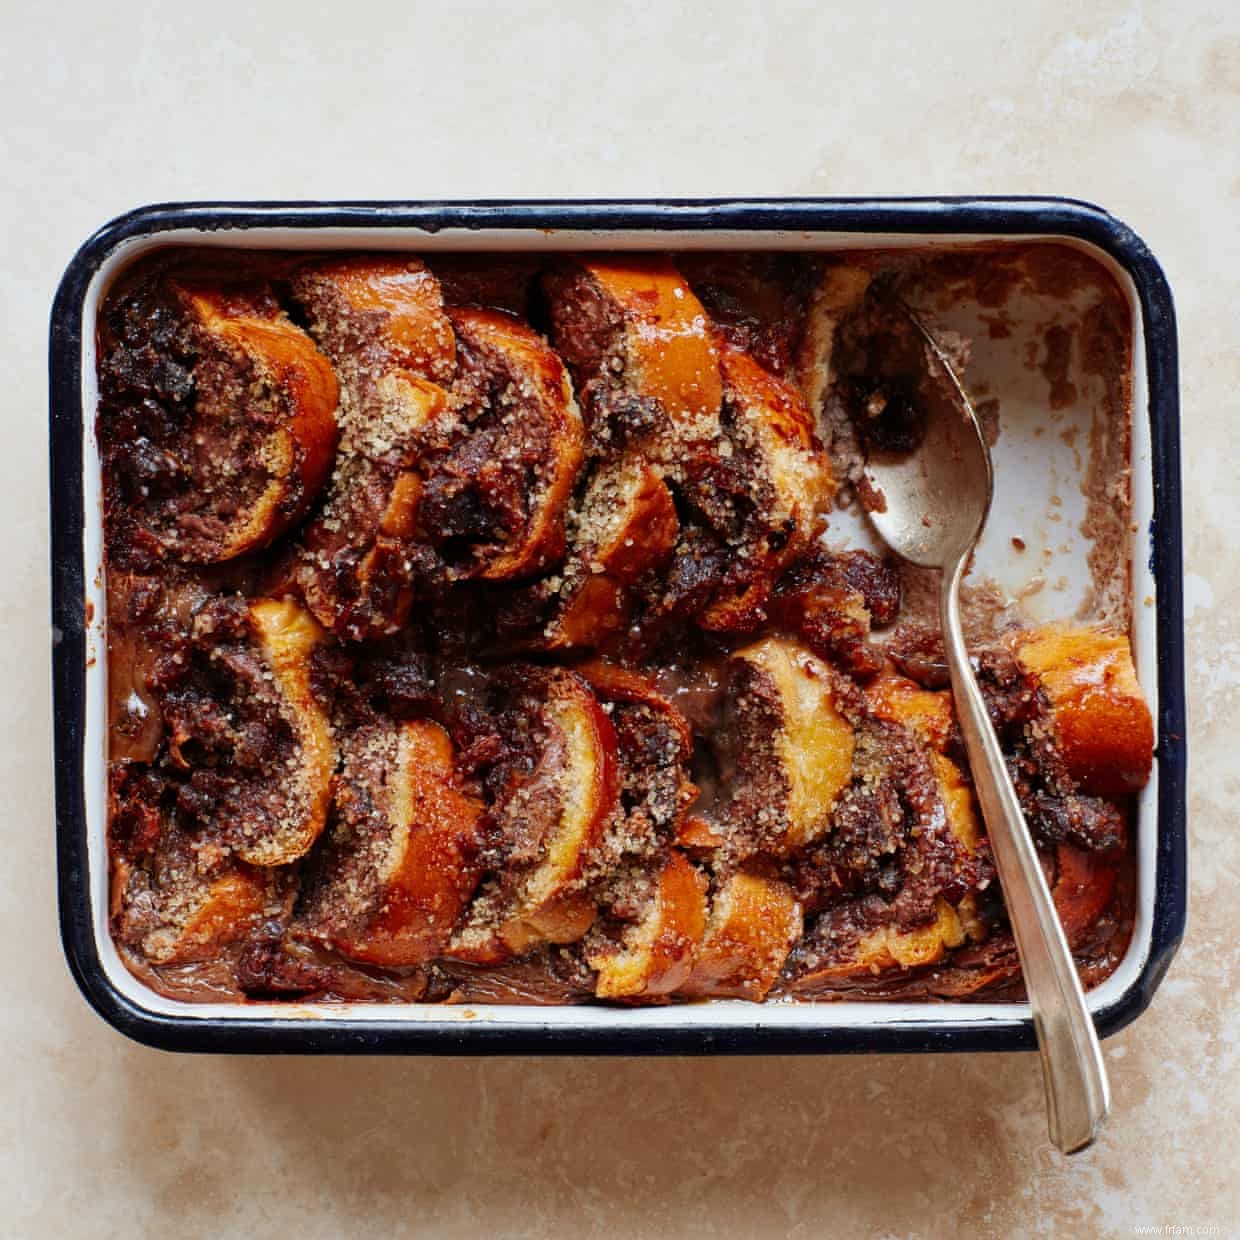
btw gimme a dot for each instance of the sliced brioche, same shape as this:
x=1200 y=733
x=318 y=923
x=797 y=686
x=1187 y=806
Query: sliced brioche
x=402 y=859
x=219 y=419
x=653 y=955
x=753 y=923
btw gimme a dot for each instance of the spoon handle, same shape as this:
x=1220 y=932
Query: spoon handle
x=1077 y=1093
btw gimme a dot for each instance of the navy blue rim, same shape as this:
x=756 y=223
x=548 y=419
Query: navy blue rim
x=996 y=217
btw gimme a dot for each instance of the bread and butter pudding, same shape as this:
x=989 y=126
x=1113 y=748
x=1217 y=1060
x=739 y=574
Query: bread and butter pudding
x=479 y=629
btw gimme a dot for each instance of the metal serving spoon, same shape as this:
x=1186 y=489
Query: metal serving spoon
x=937 y=500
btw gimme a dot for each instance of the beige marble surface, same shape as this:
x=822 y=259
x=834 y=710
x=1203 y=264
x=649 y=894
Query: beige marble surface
x=102 y=107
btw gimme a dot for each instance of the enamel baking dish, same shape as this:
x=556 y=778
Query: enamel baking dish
x=79 y=620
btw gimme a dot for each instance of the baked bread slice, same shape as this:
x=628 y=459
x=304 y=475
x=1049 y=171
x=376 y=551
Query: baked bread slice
x=181 y=903
x=753 y=923
x=1100 y=723
x=557 y=793
x=217 y=421
x=654 y=746
x=786 y=490
x=641 y=350
x=250 y=752
x=382 y=322
x=496 y=490
x=401 y=861
x=622 y=527
x=653 y=955
x=792 y=748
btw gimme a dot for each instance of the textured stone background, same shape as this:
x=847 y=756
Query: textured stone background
x=103 y=107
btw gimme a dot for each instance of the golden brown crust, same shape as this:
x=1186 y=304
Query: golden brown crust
x=671 y=355
x=645 y=334
x=403 y=858
x=886 y=948
x=770 y=424
x=794 y=748
x=624 y=525
x=382 y=322
x=927 y=712
x=539 y=417
x=654 y=745
x=753 y=923
x=302 y=448
x=696 y=833
x=246 y=755
x=590 y=791
x=183 y=904
x=655 y=955
x=572 y=791
x=226 y=447
x=386 y=304
x=613 y=682
x=931 y=716
x=1102 y=726
x=288 y=638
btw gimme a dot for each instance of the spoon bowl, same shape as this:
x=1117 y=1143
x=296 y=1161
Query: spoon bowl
x=934 y=501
